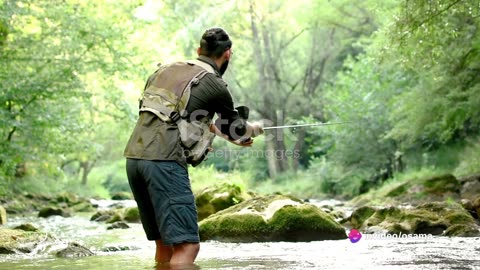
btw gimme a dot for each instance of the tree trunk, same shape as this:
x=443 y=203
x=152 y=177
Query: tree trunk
x=268 y=81
x=298 y=149
x=86 y=169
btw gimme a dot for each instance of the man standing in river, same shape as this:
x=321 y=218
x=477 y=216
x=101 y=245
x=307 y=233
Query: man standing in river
x=156 y=161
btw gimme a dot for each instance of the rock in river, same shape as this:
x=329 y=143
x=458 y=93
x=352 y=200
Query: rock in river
x=271 y=218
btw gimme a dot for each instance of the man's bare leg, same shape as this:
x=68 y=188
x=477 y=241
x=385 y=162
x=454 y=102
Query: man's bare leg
x=184 y=253
x=163 y=254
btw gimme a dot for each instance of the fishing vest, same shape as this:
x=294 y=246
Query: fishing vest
x=166 y=95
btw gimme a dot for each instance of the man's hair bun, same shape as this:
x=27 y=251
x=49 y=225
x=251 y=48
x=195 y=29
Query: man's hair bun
x=215 y=41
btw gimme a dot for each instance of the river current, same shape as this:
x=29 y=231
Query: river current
x=129 y=249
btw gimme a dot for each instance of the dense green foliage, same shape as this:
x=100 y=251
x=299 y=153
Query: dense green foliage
x=402 y=76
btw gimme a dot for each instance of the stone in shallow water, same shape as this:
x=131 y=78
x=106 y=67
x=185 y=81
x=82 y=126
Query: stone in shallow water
x=118 y=225
x=54 y=211
x=26 y=227
x=74 y=250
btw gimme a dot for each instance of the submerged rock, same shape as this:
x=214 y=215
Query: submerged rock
x=272 y=218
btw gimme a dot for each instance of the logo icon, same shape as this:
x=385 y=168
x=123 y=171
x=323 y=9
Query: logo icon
x=354 y=236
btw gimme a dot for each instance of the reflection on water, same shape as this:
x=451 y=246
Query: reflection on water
x=128 y=249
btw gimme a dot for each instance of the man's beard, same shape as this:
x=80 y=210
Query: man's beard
x=223 y=67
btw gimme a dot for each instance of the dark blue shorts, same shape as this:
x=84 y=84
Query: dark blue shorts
x=165 y=200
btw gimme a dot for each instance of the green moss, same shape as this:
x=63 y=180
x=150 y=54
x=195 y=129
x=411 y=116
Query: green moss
x=398 y=228
x=380 y=215
x=219 y=197
x=234 y=227
x=413 y=214
x=459 y=218
x=298 y=223
x=83 y=207
x=131 y=214
x=441 y=184
x=116 y=217
x=289 y=223
x=461 y=230
x=399 y=190
x=67 y=197
x=361 y=214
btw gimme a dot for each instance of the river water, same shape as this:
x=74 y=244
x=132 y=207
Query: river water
x=135 y=252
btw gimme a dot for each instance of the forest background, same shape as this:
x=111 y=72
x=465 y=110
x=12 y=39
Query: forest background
x=402 y=77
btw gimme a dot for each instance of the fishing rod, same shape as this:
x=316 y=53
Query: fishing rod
x=305 y=125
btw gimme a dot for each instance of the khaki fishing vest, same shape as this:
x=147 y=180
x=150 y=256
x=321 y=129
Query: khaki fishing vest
x=166 y=95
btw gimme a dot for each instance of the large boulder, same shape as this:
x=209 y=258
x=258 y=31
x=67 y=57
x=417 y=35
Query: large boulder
x=437 y=218
x=271 y=218
x=3 y=215
x=213 y=199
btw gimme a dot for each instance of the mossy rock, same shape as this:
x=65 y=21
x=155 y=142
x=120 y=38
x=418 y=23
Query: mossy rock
x=83 y=207
x=222 y=196
x=461 y=230
x=131 y=214
x=118 y=216
x=437 y=218
x=67 y=197
x=17 y=206
x=361 y=214
x=442 y=184
x=122 y=195
x=399 y=190
x=13 y=241
x=102 y=213
x=54 y=211
x=476 y=206
x=271 y=218
x=304 y=223
x=28 y=227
